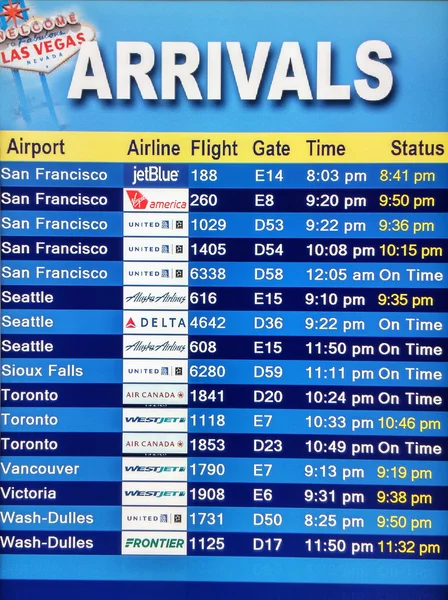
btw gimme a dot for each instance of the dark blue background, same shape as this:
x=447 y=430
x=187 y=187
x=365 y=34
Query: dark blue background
x=145 y=590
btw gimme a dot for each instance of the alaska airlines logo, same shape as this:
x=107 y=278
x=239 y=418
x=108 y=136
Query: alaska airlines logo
x=149 y=298
x=40 y=44
x=141 y=346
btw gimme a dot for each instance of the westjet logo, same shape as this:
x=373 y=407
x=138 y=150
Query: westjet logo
x=155 y=493
x=154 y=469
x=157 y=420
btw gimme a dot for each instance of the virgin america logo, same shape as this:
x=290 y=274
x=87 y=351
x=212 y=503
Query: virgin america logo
x=138 y=200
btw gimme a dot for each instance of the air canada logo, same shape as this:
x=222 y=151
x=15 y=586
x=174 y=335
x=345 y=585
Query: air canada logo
x=138 y=200
x=39 y=44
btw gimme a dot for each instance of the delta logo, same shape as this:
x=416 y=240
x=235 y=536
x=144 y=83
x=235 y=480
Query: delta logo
x=158 y=322
x=40 y=44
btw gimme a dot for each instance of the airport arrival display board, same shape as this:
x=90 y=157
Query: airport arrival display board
x=224 y=300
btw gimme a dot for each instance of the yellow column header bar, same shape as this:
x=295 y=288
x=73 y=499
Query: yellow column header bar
x=224 y=147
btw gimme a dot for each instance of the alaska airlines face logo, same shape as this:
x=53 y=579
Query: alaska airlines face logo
x=40 y=44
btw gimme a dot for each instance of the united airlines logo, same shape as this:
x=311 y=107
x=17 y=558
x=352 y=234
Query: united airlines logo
x=142 y=248
x=142 y=223
x=147 y=273
x=154 y=371
x=161 y=518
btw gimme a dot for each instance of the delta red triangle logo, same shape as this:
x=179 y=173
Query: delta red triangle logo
x=130 y=324
x=138 y=200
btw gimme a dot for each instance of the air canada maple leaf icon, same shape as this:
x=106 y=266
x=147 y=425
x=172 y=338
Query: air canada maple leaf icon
x=138 y=200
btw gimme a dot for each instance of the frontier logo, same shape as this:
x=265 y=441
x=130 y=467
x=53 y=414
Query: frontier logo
x=154 y=543
x=138 y=200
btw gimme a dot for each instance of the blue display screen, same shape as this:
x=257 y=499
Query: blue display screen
x=224 y=309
